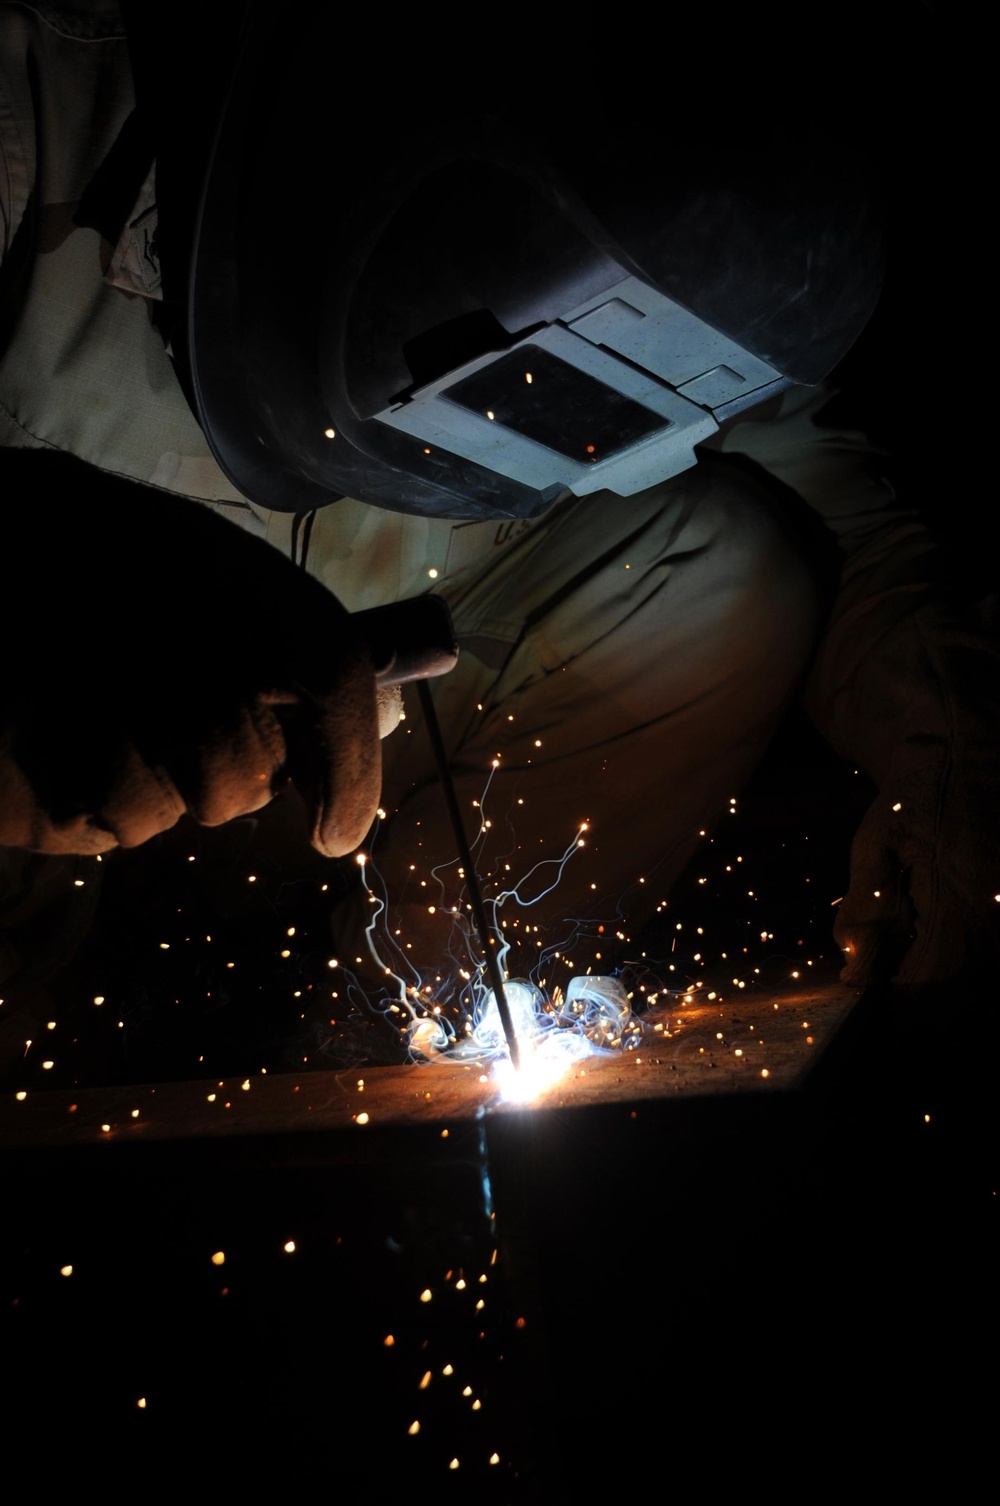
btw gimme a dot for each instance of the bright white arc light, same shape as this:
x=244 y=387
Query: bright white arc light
x=524 y=1005
x=550 y=1043
x=594 y=1019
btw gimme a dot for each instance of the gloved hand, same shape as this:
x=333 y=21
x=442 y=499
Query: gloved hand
x=921 y=907
x=922 y=904
x=162 y=660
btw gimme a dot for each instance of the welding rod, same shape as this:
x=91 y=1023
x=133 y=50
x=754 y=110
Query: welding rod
x=414 y=640
x=487 y=938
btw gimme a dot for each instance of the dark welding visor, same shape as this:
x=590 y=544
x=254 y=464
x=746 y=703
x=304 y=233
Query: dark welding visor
x=463 y=290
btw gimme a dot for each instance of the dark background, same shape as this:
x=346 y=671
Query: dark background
x=795 y=1297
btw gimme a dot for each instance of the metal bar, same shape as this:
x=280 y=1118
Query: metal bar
x=487 y=938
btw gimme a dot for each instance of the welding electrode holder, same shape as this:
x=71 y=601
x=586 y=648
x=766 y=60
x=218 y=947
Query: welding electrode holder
x=409 y=640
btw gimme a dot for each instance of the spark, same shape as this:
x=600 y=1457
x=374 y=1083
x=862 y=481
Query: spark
x=555 y=1032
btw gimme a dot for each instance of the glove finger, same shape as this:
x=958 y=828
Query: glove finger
x=24 y=823
x=875 y=923
x=334 y=757
x=142 y=802
x=390 y=708
x=238 y=768
x=132 y=804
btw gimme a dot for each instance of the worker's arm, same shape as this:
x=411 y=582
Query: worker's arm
x=906 y=685
x=160 y=661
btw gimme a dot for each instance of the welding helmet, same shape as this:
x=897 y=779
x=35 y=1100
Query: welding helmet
x=458 y=281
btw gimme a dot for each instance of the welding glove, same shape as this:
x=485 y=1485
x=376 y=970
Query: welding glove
x=921 y=907
x=905 y=685
x=161 y=660
x=921 y=713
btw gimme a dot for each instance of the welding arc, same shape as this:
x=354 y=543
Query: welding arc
x=487 y=938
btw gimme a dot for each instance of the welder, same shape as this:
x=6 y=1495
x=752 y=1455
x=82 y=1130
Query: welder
x=266 y=362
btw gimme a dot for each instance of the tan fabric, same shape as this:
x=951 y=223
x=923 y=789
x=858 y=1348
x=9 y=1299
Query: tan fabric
x=654 y=691
x=84 y=371
x=652 y=647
